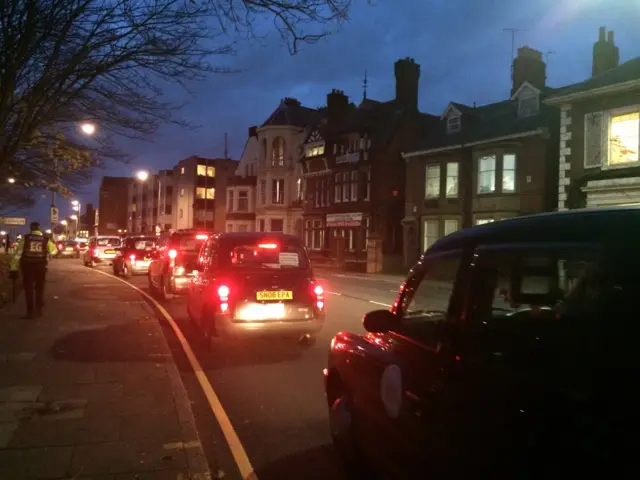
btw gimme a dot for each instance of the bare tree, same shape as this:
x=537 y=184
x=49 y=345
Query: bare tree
x=67 y=62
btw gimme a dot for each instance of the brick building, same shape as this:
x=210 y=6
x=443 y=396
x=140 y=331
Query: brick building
x=113 y=205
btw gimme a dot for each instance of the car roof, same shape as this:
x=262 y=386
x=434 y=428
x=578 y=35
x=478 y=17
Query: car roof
x=255 y=236
x=585 y=225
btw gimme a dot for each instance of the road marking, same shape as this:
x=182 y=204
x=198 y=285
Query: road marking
x=237 y=450
x=379 y=303
x=334 y=293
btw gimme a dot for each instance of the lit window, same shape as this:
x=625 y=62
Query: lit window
x=487 y=174
x=452 y=179
x=210 y=193
x=624 y=138
x=450 y=226
x=432 y=182
x=314 y=150
x=203 y=170
x=454 y=123
x=482 y=221
x=277 y=191
x=182 y=192
x=181 y=170
x=430 y=233
x=509 y=172
x=299 y=190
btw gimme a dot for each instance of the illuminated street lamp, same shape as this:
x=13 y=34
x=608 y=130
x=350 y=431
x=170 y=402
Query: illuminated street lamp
x=142 y=175
x=74 y=217
x=75 y=203
x=88 y=128
x=48 y=230
x=11 y=180
x=63 y=222
x=3 y=233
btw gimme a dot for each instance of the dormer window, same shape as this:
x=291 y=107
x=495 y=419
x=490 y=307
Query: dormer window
x=528 y=103
x=454 y=123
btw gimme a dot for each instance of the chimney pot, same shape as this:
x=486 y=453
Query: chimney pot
x=610 y=37
x=601 y=36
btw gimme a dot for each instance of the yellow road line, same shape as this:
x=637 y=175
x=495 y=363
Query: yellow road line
x=230 y=435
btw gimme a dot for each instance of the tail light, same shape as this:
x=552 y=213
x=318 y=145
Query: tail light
x=223 y=295
x=96 y=252
x=318 y=292
x=173 y=254
x=202 y=237
x=270 y=246
x=59 y=246
x=132 y=257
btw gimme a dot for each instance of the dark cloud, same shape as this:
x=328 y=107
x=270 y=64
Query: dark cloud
x=460 y=44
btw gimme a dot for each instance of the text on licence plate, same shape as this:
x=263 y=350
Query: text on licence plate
x=274 y=295
x=109 y=252
x=69 y=249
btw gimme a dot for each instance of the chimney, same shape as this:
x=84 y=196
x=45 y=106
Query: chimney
x=528 y=66
x=407 y=73
x=337 y=104
x=605 y=53
x=290 y=102
x=253 y=131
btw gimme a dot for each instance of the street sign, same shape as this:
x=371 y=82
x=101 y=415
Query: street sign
x=54 y=215
x=13 y=220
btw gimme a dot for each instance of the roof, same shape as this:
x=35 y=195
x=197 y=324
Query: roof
x=586 y=225
x=627 y=72
x=291 y=113
x=486 y=122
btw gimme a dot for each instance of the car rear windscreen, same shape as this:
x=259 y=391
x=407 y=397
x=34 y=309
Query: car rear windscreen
x=189 y=243
x=111 y=242
x=70 y=244
x=142 y=243
x=263 y=256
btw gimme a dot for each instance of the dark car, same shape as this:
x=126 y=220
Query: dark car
x=510 y=348
x=256 y=284
x=134 y=256
x=68 y=249
x=175 y=260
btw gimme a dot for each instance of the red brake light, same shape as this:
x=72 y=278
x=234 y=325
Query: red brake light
x=202 y=237
x=132 y=257
x=173 y=254
x=268 y=245
x=318 y=290
x=223 y=292
x=96 y=252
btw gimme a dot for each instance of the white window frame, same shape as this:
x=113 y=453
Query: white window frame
x=245 y=197
x=277 y=191
x=367 y=228
x=337 y=188
x=479 y=174
x=448 y=223
x=367 y=187
x=354 y=186
x=345 y=186
x=455 y=177
x=484 y=221
x=429 y=226
x=528 y=98
x=514 y=170
x=607 y=119
x=262 y=187
x=454 y=123
x=230 y=200
x=431 y=173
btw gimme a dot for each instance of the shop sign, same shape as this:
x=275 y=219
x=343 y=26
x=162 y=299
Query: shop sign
x=344 y=219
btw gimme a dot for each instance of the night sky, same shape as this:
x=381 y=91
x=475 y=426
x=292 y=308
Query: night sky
x=460 y=44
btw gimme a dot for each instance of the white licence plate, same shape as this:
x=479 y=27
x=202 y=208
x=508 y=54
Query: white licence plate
x=258 y=311
x=142 y=263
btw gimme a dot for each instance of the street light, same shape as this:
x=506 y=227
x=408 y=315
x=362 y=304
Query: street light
x=75 y=203
x=11 y=180
x=3 y=233
x=74 y=217
x=48 y=230
x=142 y=175
x=88 y=128
x=63 y=222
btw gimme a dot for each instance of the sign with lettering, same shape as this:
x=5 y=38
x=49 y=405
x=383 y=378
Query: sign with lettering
x=13 y=220
x=54 y=215
x=344 y=219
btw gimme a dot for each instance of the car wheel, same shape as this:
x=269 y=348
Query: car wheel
x=166 y=293
x=126 y=273
x=342 y=426
x=152 y=288
x=307 y=340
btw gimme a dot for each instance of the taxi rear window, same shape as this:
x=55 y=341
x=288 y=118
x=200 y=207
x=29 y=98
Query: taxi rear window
x=190 y=243
x=141 y=243
x=266 y=255
x=112 y=242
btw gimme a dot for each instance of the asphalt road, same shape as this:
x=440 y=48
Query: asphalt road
x=272 y=391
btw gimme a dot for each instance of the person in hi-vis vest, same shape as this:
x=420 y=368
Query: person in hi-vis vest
x=31 y=258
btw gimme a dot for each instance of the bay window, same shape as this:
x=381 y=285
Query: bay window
x=277 y=152
x=624 y=138
x=508 y=172
x=451 y=225
x=277 y=191
x=432 y=182
x=431 y=233
x=452 y=180
x=487 y=174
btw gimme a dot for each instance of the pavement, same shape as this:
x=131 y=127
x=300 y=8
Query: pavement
x=91 y=390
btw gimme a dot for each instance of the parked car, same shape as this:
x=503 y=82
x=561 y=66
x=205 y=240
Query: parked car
x=68 y=249
x=134 y=256
x=174 y=260
x=508 y=349
x=256 y=284
x=101 y=250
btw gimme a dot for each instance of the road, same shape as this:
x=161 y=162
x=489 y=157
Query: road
x=273 y=391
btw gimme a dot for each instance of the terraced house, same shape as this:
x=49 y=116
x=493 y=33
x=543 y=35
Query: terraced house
x=354 y=174
x=600 y=132
x=479 y=164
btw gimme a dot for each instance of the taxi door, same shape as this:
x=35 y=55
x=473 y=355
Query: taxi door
x=199 y=282
x=418 y=408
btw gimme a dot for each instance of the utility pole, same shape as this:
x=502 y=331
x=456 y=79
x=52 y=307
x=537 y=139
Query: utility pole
x=513 y=32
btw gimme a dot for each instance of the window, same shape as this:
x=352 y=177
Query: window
x=243 y=228
x=337 y=185
x=509 y=172
x=431 y=233
x=243 y=201
x=204 y=171
x=624 y=138
x=483 y=221
x=182 y=192
x=487 y=174
x=277 y=155
x=354 y=186
x=261 y=225
x=201 y=191
x=276 y=225
x=230 y=227
x=452 y=180
x=314 y=234
x=454 y=123
x=349 y=238
x=367 y=185
x=181 y=213
x=285 y=256
x=277 y=191
x=229 y=200
x=527 y=103
x=181 y=170
x=299 y=193
x=432 y=181
x=345 y=186
x=451 y=225
x=262 y=188
x=314 y=150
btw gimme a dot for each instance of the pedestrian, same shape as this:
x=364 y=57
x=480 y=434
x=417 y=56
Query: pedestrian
x=31 y=258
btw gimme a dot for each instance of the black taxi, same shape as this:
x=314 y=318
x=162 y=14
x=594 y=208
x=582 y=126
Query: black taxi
x=511 y=349
x=255 y=283
x=134 y=256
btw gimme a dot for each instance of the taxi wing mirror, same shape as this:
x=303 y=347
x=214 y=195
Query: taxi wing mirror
x=378 y=321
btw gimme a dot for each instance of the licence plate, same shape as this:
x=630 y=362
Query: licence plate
x=274 y=295
x=142 y=263
x=109 y=252
x=69 y=249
